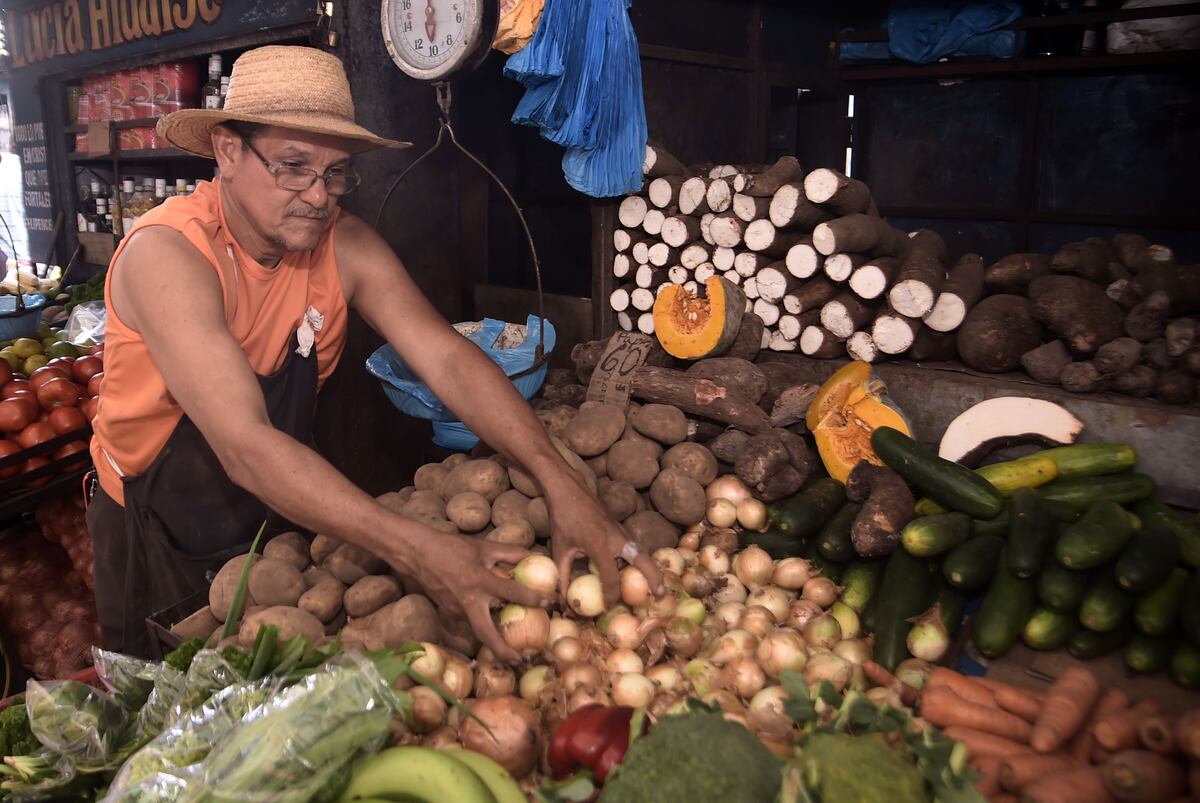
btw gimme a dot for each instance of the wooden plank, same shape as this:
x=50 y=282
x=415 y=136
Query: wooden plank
x=604 y=222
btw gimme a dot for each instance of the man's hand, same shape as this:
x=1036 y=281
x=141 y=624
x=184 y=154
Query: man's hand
x=455 y=572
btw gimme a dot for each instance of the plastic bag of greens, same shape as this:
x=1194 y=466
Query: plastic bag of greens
x=76 y=720
x=209 y=672
x=130 y=680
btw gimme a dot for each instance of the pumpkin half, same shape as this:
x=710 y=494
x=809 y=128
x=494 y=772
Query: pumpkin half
x=846 y=410
x=692 y=327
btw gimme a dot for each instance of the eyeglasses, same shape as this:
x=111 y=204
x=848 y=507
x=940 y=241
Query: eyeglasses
x=338 y=180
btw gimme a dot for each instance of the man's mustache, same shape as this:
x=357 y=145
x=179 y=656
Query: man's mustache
x=309 y=212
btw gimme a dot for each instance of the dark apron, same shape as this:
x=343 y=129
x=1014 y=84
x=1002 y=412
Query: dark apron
x=183 y=518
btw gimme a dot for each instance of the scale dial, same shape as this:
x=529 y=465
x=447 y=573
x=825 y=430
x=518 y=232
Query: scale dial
x=431 y=40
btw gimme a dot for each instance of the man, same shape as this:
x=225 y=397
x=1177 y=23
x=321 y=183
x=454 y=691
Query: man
x=225 y=310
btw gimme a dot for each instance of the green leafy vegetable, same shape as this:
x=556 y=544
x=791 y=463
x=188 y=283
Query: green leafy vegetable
x=181 y=657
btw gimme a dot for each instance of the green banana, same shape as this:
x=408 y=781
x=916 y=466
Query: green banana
x=497 y=779
x=416 y=774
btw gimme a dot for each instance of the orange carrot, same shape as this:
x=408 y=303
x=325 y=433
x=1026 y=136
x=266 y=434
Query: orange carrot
x=988 y=768
x=1068 y=704
x=1118 y=730
x=879 y=676
x=1083 y=743
x=1187 y=734
x=1018 y=701
x=1004 y=797
x=1141 y=776
x=943 y=708
x=1157 y=733
x=996 y=685
x=1084 y=785
x=979 y=743
x=1017 y=772
x=961 y=685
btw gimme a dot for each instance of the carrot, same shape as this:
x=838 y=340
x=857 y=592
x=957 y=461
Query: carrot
x=1017 y=772
x=1157 y=733
x=1018 y=701
x=988 y=768
x=961 y=685
x=1004 y=797
x=1067 y=705
x=979 y=743
x=996 y=685
x=1141 y=776
x=879 y=676
x=1083 y=743
x=1118 y=730
x=1084 y=785
x=1187 y=734
x=943 y=708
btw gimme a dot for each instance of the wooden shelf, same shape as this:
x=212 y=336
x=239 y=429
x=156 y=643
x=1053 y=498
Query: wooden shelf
x=1022 y=66
x=142 y=155
x=141 y=122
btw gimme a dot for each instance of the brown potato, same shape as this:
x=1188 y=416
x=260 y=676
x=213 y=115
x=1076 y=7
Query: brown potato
x=485 y=477
x=594 y=429
x=430 y=477
x=276 y=582
x=322 y=547
x=349 y=564
x=620 y=499
x=692 y=459
x=393 y=501
x=651 y=531
x=224 y=585
x=538 y=516
x=678 y=497
x=523 y=482
x=292 y=547
x=410 y=618
x=518 y=532
x=598 y=465
x=424 y=504
x=556 y=419
x=634 y=462
x=290 y=621
x=455 y=460
x=509 y=506
x=662 y=422
x=372 y=593
x=314 y=575
x=469 y=511
x=324 y=600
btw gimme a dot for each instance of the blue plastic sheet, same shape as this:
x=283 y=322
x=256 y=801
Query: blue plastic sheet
x=925 y=32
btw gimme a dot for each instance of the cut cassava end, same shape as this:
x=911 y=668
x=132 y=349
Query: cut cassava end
x=694 y=255
x=723 y=258
x=861 y=346
x=719 y=195
x=650 y=276
x=748 y=263
x=894 y=333
x=763 y=237
x=774 y=282
x=706 y=228
x=1015 y=271
x=792 y=326
x=625 y=321
x=791 y=209
x=1006 y=421
x=618 y=299
x=962 y=290
x=861 y=234
x=768 y=311
x=996 y=332
x=922 y=274
x=873 y=278
x=803 y=260
x=652 y=223
x=661 y=255
x=732 y=277
x=845 y=315
x=691 y=327
x=678 y=274
x=1046 y=362
x=679 y=230
x=624 y=239
x=749 y=208
x=664 y=191
x=632 y=211
x=642 y=300
x=840 y=267
x=692 y=196
x=766 y=183
x=933 y=346
x=819 y=343
x=658 y=161
x=640 y=251
x=703 y=272
x=842 y=194
x=726 y=230
x=621 y=265
x=645 y=323
x=750 y=288
x=780 y=343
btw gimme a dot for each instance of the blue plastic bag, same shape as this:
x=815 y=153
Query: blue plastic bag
x=927 y=32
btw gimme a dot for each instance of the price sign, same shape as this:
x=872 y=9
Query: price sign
x=612 y=381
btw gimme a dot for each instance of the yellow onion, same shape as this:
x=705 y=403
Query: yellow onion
x=635 y=588
x=537 y=572
x=820 y=590
x=732 y=646
x=632 y=689
x=684 y=637
x=854 y=650
x=775 y=600
x=626 y=630
x=728 y=487
x=781 y=651
x=752 y=515
x=606 y=617
x=585 y=595
x=524 y=629
x=757 y=620
x=432 y=662
x=441 y=739
x=725 y=538
x=666 y=677
x=714 y=559
x=428 y=710
x=727 y=702
x=691 y=557
x=620 y=661
x=914 y=672
x=587 y=696
x=507 y=731
x=697 y=582
x=578 y=676
x=847 y=618
x=702 y=675
x=828 y=666
x=692 y=609
x=668 y=559
x=745 y=677
x=567 y=649
x=771 y=698
x=690 y=540
x=535 y=679
x=801 y=612
x=493 y=680
x=792 y=573
x=730 y=613
x=729 y=589
x=754 y=567
x=561 y=627
x=722 y=513
x=823 y=631
x=457 y=677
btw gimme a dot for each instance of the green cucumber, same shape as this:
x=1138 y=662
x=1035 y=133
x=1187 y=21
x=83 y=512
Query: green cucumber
x=997 y=526
x=1096 y=538
x=1061 y=588
x=952 y=606
x=933 y=535
x=777 y=545
x=970 y=565
x=1085 y=644
x=1024 y=472
x=826 y=567
x=834 y=541
x=867 y=618
x=1186 y=529
x=952 y=486
x=1090 y=459
x=1048 y=629
x=903 y=594
x=860 y=583
x=1148 y=560
x=1030 y=534
x=1148 y=653
x=1105 y=607
x=1189 y=609
x=804 y=514
x=1005 y=610
x=1154 y=612
x=1185 y=665
x=1080 y=493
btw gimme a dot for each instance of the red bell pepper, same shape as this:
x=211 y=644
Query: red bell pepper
x=595 y=738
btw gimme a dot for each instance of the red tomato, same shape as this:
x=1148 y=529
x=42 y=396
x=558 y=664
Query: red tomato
x=6 y=372
x=90 y=408
x=16 y=414
x=74 y=447
x=59 y=392
x=93 y=385
x=8 y=449
x=35 y=463
x=97 y=351
x=35 y=433
x=12 y=386
x=47 y=372
x=66 y=419
x=85 y=368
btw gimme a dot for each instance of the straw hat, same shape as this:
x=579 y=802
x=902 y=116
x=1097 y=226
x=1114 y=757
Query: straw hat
x=300 y=88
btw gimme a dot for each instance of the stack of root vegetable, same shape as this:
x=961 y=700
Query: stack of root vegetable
x=63 y=522
x=1074 y=742
x=805 y=264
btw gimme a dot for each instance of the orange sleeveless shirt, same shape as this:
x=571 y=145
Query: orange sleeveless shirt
x=263 y=308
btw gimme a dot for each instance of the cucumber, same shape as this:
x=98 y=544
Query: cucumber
x=933 y=535
x=867 y=618
x=1105 y=607
x=1005 y=610
x=1154 y=612
x=834 y=541
x=952 y=606
x=953 y=486
x=1185 y=665
x=903 y=594
x=1025 y=472
x=1061 y=588
x=778 y=546
x=804 y=514
x=1078 y=494
x=970 y=565
x=1030 y=533
x=1186 y=530
x=1096 y=538
x=1148 y=560
x=860 y=583
x=825 y=566
x=1090 y=459
x=1189 y=609
x=1148 y=653
x=1048 y=629
x=1085 y=644
x=997 y=526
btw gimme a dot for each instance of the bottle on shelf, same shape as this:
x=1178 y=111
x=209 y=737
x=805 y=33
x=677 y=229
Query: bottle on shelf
x=128 y=204
x=224 y=89
x=211 y=93
x=181 y=186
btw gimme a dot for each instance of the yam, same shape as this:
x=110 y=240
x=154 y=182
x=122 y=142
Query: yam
x=291 y=622
x=370 y=594
x=1123 y=293
x=1148 y=320
x=1158 y=355
x=276 y=582
x=594 y=430
x=931 y=345
x=661 y=422
x=518 y=532
x=996 y=332
x=324 y=600
x=315 y=574
x=485 y=477
x=1138 y=381
x=1015 y=271
x=469 y=511
x=424 y=505
x=678 y=497
x=200 y=624
x=692 y=459
x=291 y=547
x=1076 y=310
x=633 y=462
x=509 y=506
x=1046 y=362
x=651 y=531
x=538 y=516
x=349 y=564
x=887 y=505
x=322 y=547
x=1181 y=336
x=430 y=477
x=1084 y=259
x=620 y=499
x=1118 y=356
x=410 y=618
x=733 y=372
x=727 y=446
x=224 y=585
x=1082 y=377
x=761 y=457
x=1174 y=386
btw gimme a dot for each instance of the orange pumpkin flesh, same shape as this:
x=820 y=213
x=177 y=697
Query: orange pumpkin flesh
x=692 y=327
x=846 y=410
